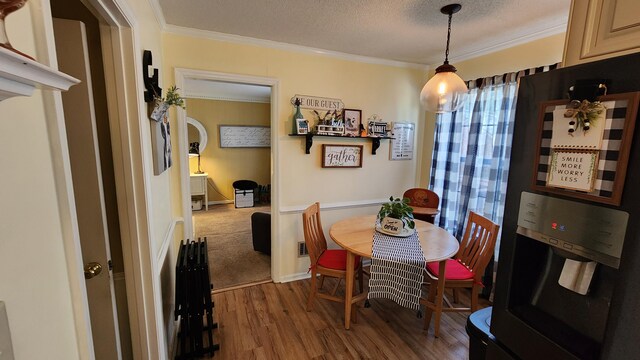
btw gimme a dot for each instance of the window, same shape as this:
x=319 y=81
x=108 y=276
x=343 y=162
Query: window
x=471 y=156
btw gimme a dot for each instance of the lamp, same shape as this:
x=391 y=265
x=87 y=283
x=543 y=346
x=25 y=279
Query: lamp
x=445 y=91
x=194 y=150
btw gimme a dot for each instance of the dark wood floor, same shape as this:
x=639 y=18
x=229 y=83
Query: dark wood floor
x=269 y=321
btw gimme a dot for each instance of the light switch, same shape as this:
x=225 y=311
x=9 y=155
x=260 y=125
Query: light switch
x=6 y=351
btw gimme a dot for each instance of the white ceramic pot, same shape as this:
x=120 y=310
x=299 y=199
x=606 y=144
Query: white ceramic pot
x=391 y=225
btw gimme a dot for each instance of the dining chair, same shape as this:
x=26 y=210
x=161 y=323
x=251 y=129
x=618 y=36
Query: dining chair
x=422 y=198
x=325 y=262
x=465 y=270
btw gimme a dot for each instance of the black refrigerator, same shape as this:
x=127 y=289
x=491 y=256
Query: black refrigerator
x=533 y=316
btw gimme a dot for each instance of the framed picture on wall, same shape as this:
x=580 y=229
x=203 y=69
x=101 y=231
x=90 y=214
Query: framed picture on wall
x=341 y=156
x=302 y=126
x=401 y=147
x=352 y=120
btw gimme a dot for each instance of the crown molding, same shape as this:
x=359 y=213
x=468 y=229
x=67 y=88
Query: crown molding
x=244 y=40
x=157 y=11
x=193 y=95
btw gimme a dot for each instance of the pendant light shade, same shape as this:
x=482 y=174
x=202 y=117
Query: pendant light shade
x=445 y=91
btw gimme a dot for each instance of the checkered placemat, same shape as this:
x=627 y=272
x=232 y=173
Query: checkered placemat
x=609 y=153
x=397 y=269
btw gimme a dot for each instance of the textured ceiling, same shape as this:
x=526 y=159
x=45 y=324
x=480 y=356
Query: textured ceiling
x=404 y=30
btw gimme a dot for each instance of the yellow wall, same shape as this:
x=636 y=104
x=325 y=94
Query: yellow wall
x=391 y=92
x=536 y=53
x=163 y=211
x=545 y=51
x=160 y=209
x=226 y=165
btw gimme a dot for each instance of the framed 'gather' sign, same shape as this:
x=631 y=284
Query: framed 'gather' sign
x=587 y=163
x=341 y=156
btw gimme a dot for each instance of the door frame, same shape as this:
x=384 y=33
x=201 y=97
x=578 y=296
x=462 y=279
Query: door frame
x=181 y=75
x=123 y=77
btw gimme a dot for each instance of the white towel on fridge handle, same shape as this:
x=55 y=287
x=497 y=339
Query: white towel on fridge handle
x=576 y=275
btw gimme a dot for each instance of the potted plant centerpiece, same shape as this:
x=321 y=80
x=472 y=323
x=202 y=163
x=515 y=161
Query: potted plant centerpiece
x=396 y=217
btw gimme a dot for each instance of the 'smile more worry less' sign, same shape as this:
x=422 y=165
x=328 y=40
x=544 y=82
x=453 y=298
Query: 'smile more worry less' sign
x=573 y=169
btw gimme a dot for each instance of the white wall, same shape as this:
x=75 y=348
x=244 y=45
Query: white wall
x=34 y=281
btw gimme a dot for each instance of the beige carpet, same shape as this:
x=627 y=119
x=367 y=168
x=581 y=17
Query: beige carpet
x=232 y=260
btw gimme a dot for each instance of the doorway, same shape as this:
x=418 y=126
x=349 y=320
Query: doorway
x=78 y=44
x=122 y=55
x=241 y=105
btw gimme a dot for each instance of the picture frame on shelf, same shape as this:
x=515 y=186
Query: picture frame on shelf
x=352 y=120
x=302 y=126
x=341 y=156
x=377 y=129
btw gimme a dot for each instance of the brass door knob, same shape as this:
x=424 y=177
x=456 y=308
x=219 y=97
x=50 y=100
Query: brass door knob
x=92 y=269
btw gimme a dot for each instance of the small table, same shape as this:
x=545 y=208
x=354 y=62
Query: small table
x=199 y=187
x=356 y=236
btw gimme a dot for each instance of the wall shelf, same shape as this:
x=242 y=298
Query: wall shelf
x=20 y=75
x=375 y=141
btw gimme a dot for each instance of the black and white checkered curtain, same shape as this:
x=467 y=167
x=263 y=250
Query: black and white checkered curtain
x=472 y=150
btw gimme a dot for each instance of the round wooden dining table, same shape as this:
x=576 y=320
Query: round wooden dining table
x=356 y=236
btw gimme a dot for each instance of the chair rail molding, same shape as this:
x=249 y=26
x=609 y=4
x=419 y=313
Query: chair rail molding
x=20 y=75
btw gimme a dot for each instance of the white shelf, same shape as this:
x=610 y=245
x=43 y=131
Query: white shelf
x=19 y=76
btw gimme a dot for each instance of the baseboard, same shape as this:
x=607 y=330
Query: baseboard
x=220 y=202
x=294 y=277
x=241 y=286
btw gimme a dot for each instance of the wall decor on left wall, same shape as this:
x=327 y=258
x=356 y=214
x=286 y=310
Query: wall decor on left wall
x=161 y=129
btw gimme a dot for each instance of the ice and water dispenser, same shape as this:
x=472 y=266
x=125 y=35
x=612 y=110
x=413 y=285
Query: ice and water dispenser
x=562 y=279
x=585 y=234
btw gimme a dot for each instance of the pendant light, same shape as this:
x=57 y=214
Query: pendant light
x=445 y=91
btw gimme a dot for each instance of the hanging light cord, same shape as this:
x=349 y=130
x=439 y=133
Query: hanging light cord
x=446 y=54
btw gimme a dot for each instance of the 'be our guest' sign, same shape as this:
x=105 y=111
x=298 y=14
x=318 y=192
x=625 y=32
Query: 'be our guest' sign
x=573 y=170
x=318 y=103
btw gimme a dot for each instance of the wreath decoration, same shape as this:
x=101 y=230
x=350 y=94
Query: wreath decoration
x=583 y=114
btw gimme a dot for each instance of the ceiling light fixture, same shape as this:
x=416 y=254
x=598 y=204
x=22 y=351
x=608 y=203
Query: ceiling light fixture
x=445 y=91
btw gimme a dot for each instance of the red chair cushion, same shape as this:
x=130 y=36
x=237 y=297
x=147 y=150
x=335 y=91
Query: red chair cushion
x=336 y=259
x=453 y=270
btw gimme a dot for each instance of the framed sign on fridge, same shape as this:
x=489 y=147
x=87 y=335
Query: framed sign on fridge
x=603 y=184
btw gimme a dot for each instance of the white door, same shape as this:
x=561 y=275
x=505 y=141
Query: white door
x=73 y=59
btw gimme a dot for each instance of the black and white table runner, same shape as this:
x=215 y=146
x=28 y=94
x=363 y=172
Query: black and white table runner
x=397 y=269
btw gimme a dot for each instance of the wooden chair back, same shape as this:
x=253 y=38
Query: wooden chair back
x=422 y=198
x=313 y=234
x=478 y=243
